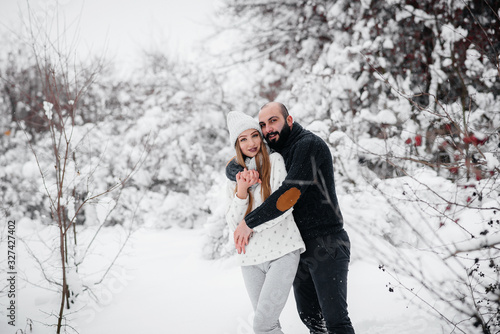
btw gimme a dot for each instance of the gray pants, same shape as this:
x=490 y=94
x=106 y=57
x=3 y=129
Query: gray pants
x=268 y=285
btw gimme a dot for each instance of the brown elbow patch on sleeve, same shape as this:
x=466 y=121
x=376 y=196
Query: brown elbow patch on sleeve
x=288 y=199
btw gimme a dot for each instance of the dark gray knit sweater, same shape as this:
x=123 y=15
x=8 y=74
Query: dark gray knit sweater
x=309 y=185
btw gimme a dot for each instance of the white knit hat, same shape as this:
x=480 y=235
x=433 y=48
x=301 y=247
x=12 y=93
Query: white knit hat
x=237 y=122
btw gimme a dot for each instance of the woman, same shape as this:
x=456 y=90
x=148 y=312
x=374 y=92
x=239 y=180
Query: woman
x=270 y=261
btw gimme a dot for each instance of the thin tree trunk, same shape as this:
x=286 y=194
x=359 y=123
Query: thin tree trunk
x=64 y=286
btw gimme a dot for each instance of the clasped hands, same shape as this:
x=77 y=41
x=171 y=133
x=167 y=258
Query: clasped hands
x=245 y=180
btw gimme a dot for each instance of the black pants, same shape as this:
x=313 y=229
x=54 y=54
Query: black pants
x=320 y=286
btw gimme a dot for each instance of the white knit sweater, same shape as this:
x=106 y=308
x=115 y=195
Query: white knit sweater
x=272 y=239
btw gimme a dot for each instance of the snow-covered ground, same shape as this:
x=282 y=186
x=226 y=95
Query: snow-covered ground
x=162 y=284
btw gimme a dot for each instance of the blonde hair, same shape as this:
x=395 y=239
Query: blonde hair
x=263 y=167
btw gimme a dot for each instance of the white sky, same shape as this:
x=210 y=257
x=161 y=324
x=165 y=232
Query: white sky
x=121 y=27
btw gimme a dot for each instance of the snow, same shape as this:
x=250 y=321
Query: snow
x=165 y=279
x=103 y=208
x=30 y=169
x=452 y=34
x=491 y=160
x=386 y=116
x=47 y=107
x=388 y=44
x=163 y=284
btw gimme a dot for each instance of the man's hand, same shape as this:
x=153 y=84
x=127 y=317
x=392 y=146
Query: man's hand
x=241 y=236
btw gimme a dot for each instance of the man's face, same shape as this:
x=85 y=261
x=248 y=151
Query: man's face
x=274 y=126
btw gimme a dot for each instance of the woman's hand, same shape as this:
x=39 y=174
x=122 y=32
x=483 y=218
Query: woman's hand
x=245 y=180
x=241 y=236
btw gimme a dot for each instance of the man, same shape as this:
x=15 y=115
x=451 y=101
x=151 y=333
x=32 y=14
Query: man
x=320 y=286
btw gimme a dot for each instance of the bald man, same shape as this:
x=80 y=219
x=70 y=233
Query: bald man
x=320 y=285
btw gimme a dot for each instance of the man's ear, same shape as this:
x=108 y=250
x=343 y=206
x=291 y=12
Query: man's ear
x=289 y=121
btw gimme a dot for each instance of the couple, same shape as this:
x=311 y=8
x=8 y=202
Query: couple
x=287 y=224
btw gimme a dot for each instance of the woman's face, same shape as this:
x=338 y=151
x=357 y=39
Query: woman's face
x=249 y=141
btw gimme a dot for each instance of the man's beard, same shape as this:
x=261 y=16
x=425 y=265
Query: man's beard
x=278 y=144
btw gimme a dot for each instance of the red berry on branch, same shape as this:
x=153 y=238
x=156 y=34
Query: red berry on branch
x=418 y=140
